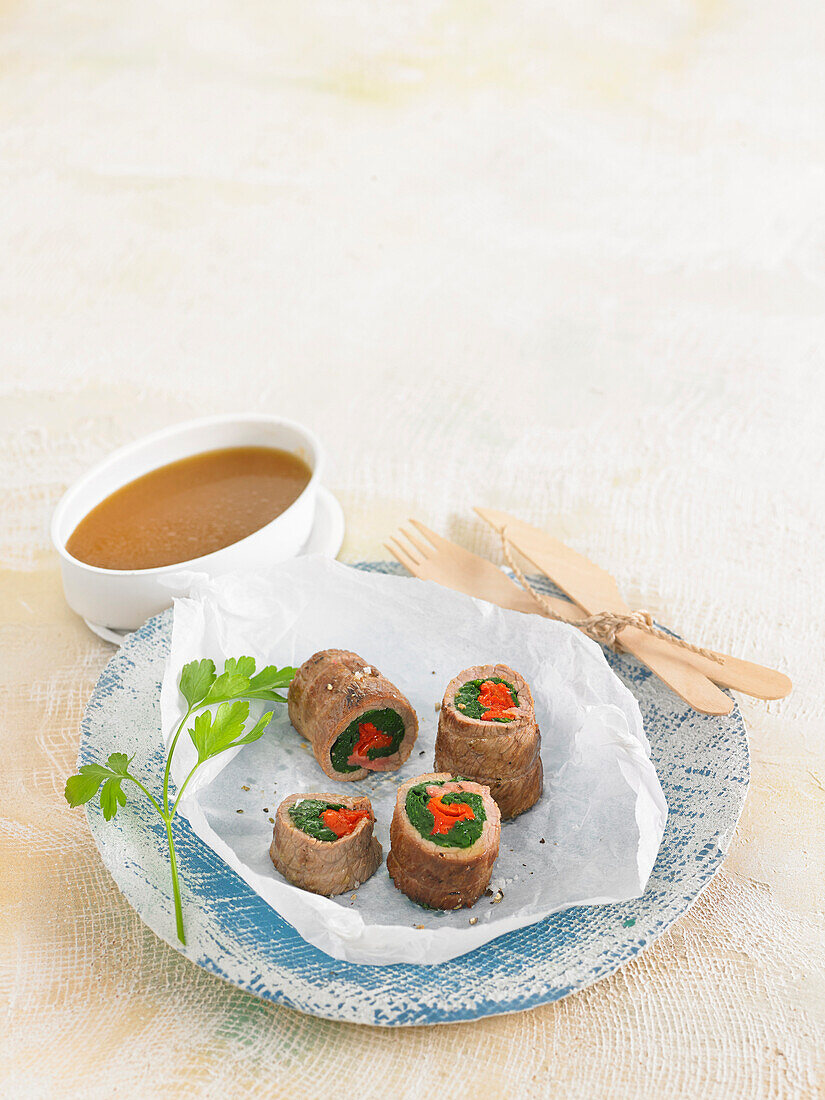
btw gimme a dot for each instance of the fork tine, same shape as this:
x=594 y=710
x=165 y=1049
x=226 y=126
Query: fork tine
x=435 y=539
x=403 y=541
x=401 y=555
x=402 y=547
x=424 y=551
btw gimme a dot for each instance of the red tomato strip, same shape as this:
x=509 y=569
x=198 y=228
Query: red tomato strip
x=447 y=816
x=343 y=822
x=369 y=737
x=496 y=699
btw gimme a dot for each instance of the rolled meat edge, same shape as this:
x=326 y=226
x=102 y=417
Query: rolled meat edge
x=326 y=866
x=439 y=874
x=354 y=718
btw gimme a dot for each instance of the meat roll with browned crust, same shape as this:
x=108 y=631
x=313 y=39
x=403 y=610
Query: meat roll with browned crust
x=487 y=731
x=444 y=840
x=355 y=719
x=324 y=842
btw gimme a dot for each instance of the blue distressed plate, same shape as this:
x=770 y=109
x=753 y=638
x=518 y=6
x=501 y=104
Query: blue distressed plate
x=703 y=767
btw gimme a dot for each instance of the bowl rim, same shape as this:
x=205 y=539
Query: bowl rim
x=181 y=427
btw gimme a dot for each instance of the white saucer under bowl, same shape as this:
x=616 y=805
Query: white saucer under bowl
x=325 y=538
x=327 y=532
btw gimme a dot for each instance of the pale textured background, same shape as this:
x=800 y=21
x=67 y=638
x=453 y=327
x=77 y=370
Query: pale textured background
x=563 y=256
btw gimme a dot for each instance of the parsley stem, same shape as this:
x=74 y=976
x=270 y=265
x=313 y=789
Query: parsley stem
x=167 y=821
x=175 y=882
x=178 y=732
x=173 y=862
x=154 y=802
x=183 y=788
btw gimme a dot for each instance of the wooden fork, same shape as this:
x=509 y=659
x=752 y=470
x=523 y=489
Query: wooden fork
x=431 y=557
x=434 y=558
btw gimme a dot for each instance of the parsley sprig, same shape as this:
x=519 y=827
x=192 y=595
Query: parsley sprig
x=211 y=732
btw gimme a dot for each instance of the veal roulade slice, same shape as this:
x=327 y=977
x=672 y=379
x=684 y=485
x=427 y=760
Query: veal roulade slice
x=324 y=842
x=444 y=840
x=356 y=721
x=487 y=730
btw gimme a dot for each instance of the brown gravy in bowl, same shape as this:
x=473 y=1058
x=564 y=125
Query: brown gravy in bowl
x=189 y=508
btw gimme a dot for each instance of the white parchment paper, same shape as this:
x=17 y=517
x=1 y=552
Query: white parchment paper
x=592 y=837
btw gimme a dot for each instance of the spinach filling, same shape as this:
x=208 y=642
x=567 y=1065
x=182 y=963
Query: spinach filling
x=306 y=816
x=463 y=834
x=466 y=698
x=388 y=721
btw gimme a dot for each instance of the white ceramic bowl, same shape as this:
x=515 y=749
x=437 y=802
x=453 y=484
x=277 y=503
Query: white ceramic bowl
x=123 y=599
